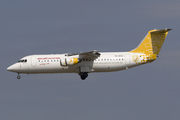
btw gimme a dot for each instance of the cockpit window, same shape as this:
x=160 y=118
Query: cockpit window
x=22 y=61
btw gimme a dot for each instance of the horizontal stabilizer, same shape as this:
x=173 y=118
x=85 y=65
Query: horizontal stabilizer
x=161 y=31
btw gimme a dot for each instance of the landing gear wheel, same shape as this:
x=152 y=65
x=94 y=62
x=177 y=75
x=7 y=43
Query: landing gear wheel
x=83 y=75
x=18 y=77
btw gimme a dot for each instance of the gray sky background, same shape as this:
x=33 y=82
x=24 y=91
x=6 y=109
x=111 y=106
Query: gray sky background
x=148 y=92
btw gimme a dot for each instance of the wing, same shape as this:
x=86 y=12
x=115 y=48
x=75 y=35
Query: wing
x=92 y=54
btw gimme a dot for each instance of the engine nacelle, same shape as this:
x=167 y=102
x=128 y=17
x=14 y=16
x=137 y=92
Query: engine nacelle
x=69 y=61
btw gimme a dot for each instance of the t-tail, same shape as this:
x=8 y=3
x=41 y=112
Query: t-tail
x=151 y=44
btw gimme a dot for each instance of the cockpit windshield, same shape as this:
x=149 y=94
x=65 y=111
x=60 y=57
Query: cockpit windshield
x=24 y=60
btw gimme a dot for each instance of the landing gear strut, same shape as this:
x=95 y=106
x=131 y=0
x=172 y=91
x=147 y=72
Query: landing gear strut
x=18 y=77
x=83 y=75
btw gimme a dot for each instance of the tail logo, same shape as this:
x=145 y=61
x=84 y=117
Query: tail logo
x=135 y=58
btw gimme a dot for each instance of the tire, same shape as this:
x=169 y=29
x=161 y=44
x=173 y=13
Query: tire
x=18 y=77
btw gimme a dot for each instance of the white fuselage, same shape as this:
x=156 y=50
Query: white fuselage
x=107 y=62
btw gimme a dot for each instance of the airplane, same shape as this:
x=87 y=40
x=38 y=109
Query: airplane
x=94 y=61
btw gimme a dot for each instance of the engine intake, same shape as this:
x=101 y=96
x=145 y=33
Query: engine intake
x=69 y=61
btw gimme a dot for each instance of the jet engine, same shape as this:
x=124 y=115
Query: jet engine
x=69 y=61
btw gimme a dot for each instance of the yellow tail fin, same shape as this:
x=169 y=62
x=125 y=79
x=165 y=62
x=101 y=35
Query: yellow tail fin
x=152 y=42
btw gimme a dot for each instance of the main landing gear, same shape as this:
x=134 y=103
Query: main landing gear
x=83 y=75
x=18 y=77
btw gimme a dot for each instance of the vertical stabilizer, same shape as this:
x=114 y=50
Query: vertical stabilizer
x=152 y=42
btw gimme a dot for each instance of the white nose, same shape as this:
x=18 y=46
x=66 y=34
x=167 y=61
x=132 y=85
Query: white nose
x=14 y=68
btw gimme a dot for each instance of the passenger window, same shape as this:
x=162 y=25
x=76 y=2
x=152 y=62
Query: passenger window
x=44 y=60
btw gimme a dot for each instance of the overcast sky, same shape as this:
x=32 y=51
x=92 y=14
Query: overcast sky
x=148 y=92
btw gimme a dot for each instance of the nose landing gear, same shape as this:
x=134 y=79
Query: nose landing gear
x=18 y=77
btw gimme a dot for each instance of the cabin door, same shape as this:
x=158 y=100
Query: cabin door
x=127 y=59
x=33 y=61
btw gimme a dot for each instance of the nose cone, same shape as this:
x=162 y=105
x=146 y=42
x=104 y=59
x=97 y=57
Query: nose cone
x=14 y=68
